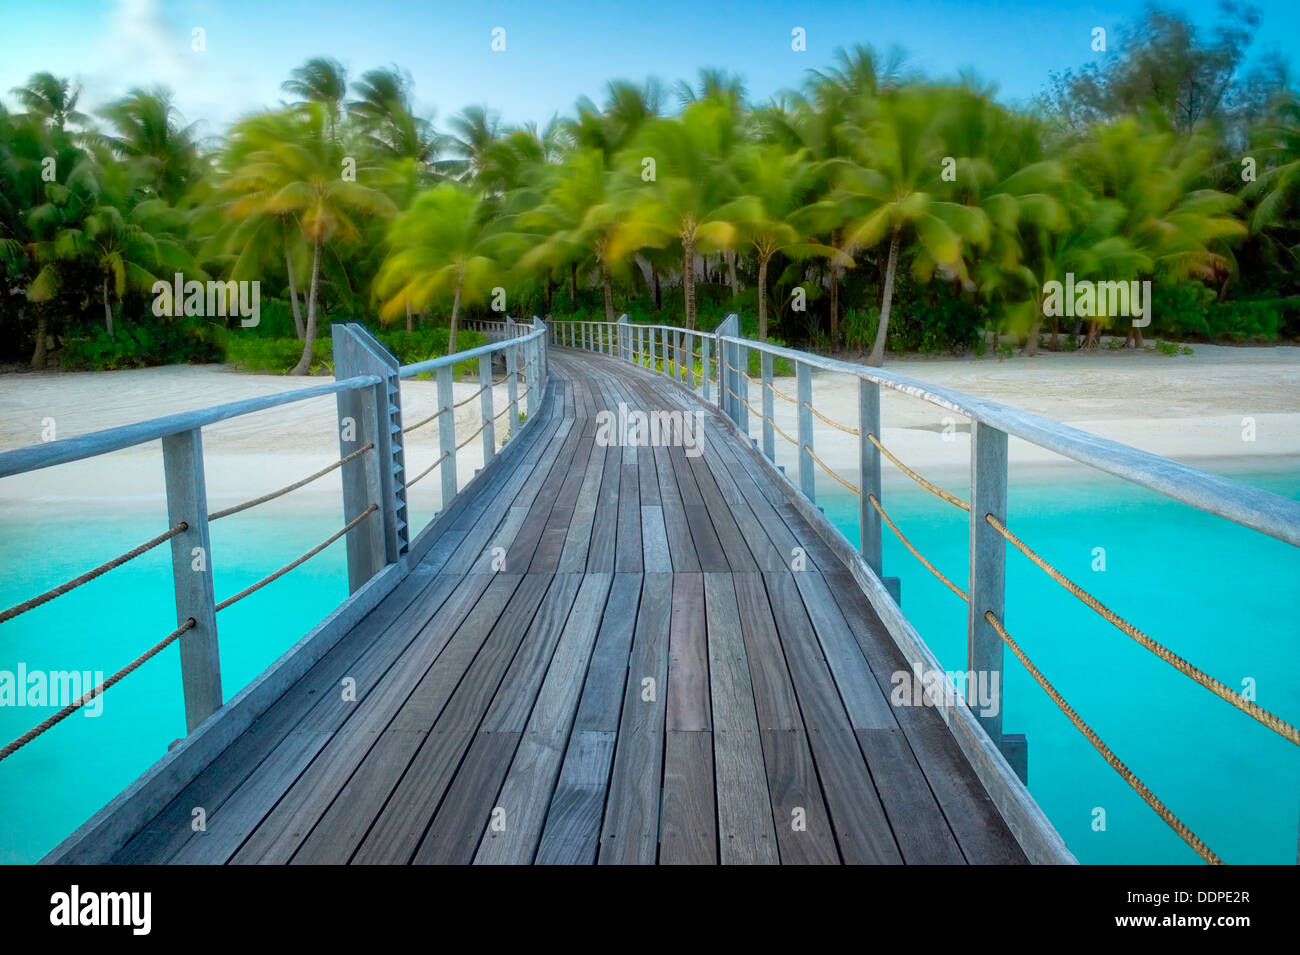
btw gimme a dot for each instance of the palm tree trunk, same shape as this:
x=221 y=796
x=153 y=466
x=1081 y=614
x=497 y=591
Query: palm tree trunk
x=607 y=289
x=688 y=279
x=546 y=300
x=1055 y=344
x=410 y=319
x=877 y=357
x=38 y=355
x=573 y=285
x=455 y=320
x=731 y=272
x=835 y=290
x=658 y=289
x=309 y=342
x=762 y=297
x=293 y=295
x=108 y=311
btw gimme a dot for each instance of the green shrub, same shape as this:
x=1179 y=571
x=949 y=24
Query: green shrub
x=140 y=346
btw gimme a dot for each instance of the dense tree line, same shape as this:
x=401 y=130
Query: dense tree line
x=871 y=209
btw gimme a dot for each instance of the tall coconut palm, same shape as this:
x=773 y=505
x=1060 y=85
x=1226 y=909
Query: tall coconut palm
x=290 y=169
x=441 y=248
x=320 y=80
x=51 y=100
x=147 y=128
x=687 y=198
x=892 y=190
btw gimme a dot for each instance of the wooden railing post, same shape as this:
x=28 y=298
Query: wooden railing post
x=987 y=582
x=485 y=409
x=869 y=471
x=447 y=432
x=742 y=389
x=624 y=339
x=531 y=376
x=371 y=416
x=807 y=479
x=706 y=372
x=187 y=501
x=726 y=351
x=769 y=434
x=543 y=353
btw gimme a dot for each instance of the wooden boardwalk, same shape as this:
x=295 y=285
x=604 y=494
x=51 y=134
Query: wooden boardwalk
x=644 y=679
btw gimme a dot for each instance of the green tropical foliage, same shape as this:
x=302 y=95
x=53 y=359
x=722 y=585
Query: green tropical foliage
x=872 y=210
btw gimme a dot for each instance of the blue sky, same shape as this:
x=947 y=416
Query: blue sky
x=555 y=51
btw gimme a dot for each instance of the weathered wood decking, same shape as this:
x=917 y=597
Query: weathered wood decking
x=644 y=680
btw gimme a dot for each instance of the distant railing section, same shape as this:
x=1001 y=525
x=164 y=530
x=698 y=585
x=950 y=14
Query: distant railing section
x=716 y=367
x=368 y=395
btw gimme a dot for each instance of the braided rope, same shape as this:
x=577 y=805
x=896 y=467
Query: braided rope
x=301 y=560
x=88 y=576
x=834 y=424
x=1221 y=690
x=86 y=697
x=420 y=424
x=426 y=471
x=472 y=436
x=851 y=487
x=916 y=553
x=932 y=488
x=218 y=515
x=1116 y=764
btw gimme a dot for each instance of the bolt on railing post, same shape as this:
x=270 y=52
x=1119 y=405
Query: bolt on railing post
x=447 y=433
x=370 y=416
x=807 y=480
x=869 y=474
x=769 y=433
x=485 y=409
x=987 y=581
x=187 y=501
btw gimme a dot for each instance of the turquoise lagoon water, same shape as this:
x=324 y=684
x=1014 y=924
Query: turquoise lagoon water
x=1222 y=596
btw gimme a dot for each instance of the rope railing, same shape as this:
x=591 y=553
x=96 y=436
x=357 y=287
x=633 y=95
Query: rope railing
x=916 y=553
x=852 y=488
x=834 y=424
x=99 y=690
x=88 y=576
x=1221 y=690
x=427 y=471
x=218 y=515
x=1107 y=754
x=271 y=578
x=421 y=423
x=934 y=489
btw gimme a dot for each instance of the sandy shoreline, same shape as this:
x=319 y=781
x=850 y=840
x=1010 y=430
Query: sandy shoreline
x=1190 y=408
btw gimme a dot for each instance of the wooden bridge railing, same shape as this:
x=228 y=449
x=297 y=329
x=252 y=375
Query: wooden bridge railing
x=716 y=366
x=373 y=470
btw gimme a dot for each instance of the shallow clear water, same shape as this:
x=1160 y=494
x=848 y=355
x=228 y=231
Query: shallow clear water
x=1222 y=596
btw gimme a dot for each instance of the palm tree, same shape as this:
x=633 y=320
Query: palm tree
x=442 y=247
x=320 y=80
x=148 y=130
x=892 y=189
x=687 y=200
x=1276 y=143
x=51 y=100
x=290 y=169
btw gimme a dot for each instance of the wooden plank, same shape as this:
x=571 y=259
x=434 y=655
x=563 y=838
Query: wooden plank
x=397 y=830
x=690 y=835
x=802 y=824
x=688 y=666
x=546 y=559
x=600 y=552
x=607 y=674
x=578 y=538
x=774 y=696
x=654 y=541
x=681 y=546
x=527 y=790
x=648 y=477
x=745 y=834
x=470 y=806
x=630 y=832
x=919 y=825
x=861 y=826
x=734 y=545
x=571 y=835
x=628 y=551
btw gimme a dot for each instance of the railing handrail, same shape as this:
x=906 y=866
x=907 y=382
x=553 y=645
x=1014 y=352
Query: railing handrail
x=433 y=364
x=79 y=447
x=1252 y=507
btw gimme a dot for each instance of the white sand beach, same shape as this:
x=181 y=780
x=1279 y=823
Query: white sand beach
x=1190 y=408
